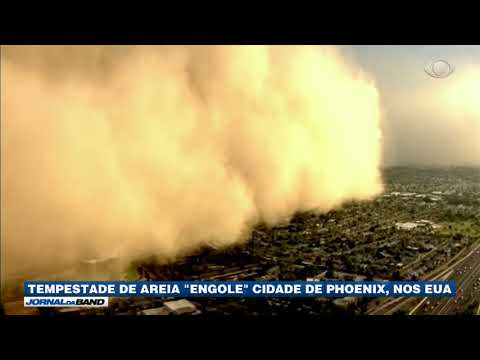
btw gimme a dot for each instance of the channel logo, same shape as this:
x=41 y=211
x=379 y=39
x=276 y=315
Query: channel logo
x=55 y=301
x=439 y=68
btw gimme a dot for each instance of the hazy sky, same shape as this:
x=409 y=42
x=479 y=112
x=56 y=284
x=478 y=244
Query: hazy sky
x=426 y=120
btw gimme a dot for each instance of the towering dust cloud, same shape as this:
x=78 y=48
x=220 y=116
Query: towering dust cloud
x=139 y=151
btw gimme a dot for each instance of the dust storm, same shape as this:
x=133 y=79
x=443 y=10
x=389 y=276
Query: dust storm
x=140 y=151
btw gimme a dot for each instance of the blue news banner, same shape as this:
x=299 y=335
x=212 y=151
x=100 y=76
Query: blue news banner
x=291 y=289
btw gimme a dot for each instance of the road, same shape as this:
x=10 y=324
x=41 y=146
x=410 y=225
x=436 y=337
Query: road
x=465 y=271
x=467 y=278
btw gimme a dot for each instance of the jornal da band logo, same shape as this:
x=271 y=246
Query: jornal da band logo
x=54 y=301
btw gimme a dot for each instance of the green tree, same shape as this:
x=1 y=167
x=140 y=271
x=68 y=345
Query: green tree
x=396 y=276
x=330 y=269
